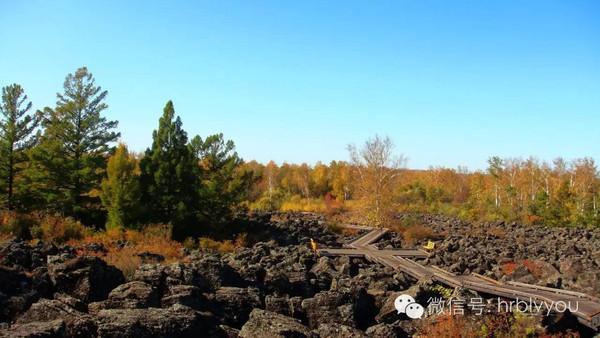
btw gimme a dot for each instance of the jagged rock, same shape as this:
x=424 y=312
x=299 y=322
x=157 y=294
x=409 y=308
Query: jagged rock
x=215 y=272
x=71 y=302
x=324 y=272
x=187 y=295
x=50 y=329
x=354 y=308
x=224 y=331
x=87 y=278
x=546 y=274
x=152 y=274
x=385 y=331
x=132 y=295
x=278 y=304
x=263 y=323
x=337 y=330
x=15 y=253
x=180 y=273
x=289 y=279
x=15 y=292
x=40 y=282
x=233 y=305
x=40 y=251
x=522 y=274
x=388 y=312
x=78 y=323
x=177 y=321
x=15 y=305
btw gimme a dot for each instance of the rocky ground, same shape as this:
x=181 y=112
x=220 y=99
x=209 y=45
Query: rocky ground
x=274 y=288
x=566 y=258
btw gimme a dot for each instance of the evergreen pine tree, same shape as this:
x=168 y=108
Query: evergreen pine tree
x=70 y=161
x=16 y=137
x=167 y=172
x=223 y=183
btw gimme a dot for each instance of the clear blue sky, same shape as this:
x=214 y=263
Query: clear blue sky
x=451 y=82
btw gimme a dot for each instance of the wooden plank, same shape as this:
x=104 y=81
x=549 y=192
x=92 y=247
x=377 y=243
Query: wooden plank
x=486 y=278
x=566 y=292
x=588 y=312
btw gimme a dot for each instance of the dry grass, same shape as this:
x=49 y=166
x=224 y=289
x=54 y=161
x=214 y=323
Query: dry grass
x=448 y=325
x=349 y=232
x=509 y=268
x=154 y=238
x=533 y=268
x=417 y=233
x=209 y=244
x=498 y=232
x=5 y=238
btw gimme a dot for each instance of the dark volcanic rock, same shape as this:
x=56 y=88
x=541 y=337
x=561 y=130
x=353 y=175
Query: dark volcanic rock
x=132 y=295
x=87 y=278
x=385 y=331
x=354 y=309
x=40 y=251
x=16 y=293
x=179 y=273
x=338 y=330
x=278 y=304
x=233 y=305
x=263 y=323
x=152 y=274
x=64 y=308
x=15 y=253
x=53 y=328
x=177 y=321
x=215 y=272
x=187 y=295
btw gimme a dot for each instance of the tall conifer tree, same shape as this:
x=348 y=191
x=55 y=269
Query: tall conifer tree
x=17 y=128
x=167 y=172
x=70 y=162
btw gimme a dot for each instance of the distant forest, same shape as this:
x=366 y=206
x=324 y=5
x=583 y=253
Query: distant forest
x=66 y=160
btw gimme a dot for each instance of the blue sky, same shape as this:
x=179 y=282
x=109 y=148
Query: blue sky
x=451 y=82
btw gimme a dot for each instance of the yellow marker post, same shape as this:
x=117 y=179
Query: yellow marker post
x=430 y=245
x=314 y=245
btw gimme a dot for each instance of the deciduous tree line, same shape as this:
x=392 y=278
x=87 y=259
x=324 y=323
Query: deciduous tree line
x=564 y=193
x=64 y=160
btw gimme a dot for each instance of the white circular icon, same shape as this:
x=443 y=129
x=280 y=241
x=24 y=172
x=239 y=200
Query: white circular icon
x=414 y=310
x=402 y=301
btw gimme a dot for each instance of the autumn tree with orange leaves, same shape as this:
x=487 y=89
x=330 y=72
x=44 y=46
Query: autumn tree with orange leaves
x=375 y=172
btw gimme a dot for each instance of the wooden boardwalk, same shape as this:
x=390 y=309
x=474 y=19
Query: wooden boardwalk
x=588 y=307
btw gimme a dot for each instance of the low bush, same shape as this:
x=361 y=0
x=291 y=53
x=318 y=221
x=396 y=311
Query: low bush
x=508 y=268
x=53 y=228
x=190 y=244
x=15 y=224
x=418 y=233
x=59 y=229
x=498 y=232
x=123 y=246
x=209 y=244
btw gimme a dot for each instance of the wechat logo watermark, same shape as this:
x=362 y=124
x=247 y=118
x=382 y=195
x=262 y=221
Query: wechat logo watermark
x=406 y=304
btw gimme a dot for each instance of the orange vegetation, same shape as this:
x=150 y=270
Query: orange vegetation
x=509 y=268
x=155 y=238
x=417 y=233
x=448 y=325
